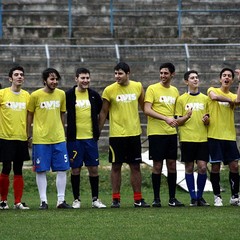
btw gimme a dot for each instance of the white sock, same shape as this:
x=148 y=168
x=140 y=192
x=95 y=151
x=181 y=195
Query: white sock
x=61 y=182
x=41 y=180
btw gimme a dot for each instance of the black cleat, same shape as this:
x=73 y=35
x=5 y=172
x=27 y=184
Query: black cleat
x=43 y=206
x=202 y=203
x=173 y=202
x=141 y=203
x=115 y=203
x=64 y=205
x=156 y=203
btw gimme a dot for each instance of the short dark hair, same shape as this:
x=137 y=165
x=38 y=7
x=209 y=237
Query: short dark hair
x=169 y=66
x=82 y=70
x=186 y=74
x=122 y=65
x=226 y=69
x=14 y=68
x=48 y=71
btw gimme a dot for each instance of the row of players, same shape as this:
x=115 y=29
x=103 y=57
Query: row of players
x=205 y=125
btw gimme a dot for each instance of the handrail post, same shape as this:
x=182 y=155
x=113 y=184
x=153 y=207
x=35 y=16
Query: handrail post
x=179 y=18
x=1 y=28
x=47 y=55
x=117 y=53
x=69 y=18
x=111 y=19
x=187 y=56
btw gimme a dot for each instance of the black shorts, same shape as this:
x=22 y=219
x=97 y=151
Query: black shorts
x=191 y=151
x=13 y=150
x=125 y=149
x=163 y=147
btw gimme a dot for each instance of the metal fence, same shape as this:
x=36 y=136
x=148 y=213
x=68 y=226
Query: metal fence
x=208 y=59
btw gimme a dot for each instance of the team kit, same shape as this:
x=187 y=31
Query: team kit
x=192 y=120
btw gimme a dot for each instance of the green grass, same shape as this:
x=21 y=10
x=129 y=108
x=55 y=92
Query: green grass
x=124 y=223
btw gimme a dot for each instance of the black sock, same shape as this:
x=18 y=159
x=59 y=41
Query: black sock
x=172 y=183
x=94 y=182
x=234 y=183
x=156 y=182
x=215 y=180
x=75 y=181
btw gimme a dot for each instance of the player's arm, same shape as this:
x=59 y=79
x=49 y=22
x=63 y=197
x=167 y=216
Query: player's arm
x=237 y=101
x=29 y=127
x=219 y=98
x=103 y=114
x=141 y=100
x=62 y=115
x=151 y=113
x=182 y=119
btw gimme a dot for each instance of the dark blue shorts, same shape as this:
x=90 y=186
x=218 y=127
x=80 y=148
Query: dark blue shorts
x=163 y=147
x=223 y=151
x=83 y=151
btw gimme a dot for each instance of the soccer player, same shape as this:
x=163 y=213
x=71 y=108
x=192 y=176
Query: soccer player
x=46 y=111
x=159 y=106
x=193 y=119
x=222 y=136
x=121 y=100
x=13 y=137
x=83 y=108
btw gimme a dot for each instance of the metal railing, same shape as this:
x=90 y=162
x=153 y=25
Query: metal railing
x=187 y=53
x=207 y=59
x=179 y=11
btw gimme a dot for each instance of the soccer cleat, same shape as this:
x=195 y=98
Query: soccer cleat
x=98 y=204
x=63 y=205
x=141 y=203
x=21 y=206
x=156 y=203
x=218 y=201
x=76 y=203
x=234 y=201
x=193 y=203
x=115 y=203
x=173 y=202
x=202 y=203
x=43 y=206
x=4 y=205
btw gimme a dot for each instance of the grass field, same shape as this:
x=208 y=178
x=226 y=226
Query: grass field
x=124 y=223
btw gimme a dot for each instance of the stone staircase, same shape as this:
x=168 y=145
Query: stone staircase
x=135 y=21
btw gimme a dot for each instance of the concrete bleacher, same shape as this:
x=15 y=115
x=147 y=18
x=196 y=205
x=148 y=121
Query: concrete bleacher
x=135 y=21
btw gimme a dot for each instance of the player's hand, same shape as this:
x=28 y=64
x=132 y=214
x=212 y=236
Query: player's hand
x=205 y=119
x=238 y=73
x=30 y=142
x=172 y=122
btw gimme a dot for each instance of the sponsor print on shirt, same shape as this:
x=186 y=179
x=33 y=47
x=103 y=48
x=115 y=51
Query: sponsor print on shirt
x=126 y=97
x=167 y=99
x=50 y=104
x=16 y=106
x=194 y=106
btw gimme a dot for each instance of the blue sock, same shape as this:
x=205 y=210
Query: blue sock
x=201 y=181
x=190 y=184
